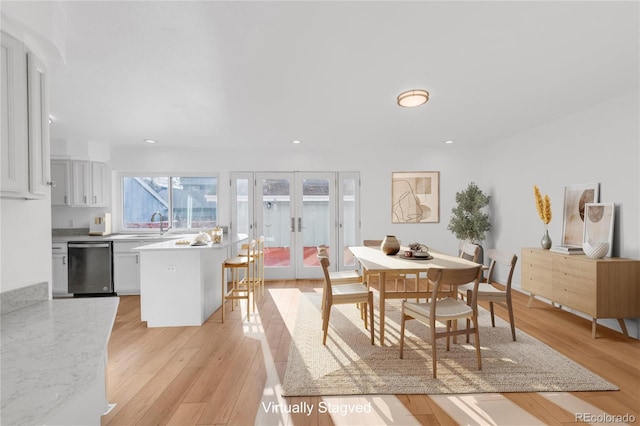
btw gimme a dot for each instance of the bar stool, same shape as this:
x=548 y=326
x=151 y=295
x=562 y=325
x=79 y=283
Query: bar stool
x=241 y=288
x=258 y=265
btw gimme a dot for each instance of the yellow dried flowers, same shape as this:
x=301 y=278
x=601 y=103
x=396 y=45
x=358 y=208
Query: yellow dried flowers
x=543 y=205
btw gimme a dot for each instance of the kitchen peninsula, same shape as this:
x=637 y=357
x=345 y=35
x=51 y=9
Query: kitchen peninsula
x=180 y=284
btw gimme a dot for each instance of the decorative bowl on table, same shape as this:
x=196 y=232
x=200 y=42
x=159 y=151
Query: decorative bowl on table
x=419 y=250
x=595 y=250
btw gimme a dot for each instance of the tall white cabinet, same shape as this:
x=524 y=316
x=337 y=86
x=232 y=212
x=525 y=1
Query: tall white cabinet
x=24 y=122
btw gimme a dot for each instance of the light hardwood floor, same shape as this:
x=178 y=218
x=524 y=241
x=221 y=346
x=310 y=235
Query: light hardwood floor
x=226 y=374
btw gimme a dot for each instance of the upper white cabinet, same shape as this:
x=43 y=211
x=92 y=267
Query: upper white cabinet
x=39 y=173
x=24 y=164
x=61 y=177
x=79 y=183
x=99 y=185
x=14 y=178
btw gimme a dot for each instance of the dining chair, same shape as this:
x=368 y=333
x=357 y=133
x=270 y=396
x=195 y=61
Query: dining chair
x=488 y=292
x=344 y=294
x=445 y=310
x=240 y=288
x=469 y=251
x=340 y=277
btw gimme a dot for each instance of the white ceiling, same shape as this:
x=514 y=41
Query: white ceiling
x=245 y=74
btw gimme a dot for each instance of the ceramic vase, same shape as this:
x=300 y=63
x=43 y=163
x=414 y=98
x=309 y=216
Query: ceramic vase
x=546 y=240
x=390 y=245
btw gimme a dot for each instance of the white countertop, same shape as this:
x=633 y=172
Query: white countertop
x=173 y=245
x=51 y=352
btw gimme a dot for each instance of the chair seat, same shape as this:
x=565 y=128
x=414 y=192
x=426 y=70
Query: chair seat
x=447 y=309
x=484 y=289
x=342 y=276
x=238 y=260
x=345 y=290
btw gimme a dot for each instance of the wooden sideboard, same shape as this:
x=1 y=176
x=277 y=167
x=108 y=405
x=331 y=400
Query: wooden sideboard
x=600 y=288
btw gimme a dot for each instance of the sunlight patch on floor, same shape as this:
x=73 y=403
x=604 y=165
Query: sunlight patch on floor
x=367 y=410
x=585 y=412
x=487 y=409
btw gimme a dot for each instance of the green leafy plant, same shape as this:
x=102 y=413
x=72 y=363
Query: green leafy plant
x=468 y=222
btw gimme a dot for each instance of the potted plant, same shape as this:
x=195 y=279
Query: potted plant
x=468 y=222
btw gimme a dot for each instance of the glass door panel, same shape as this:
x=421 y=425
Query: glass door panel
x=315 y=208
x=349 y=217
x=242 y=204
x=276 y=221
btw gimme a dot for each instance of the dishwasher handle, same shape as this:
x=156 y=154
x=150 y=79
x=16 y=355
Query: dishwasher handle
x=89 y=245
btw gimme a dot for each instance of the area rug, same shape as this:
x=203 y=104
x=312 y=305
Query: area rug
x=350 y=365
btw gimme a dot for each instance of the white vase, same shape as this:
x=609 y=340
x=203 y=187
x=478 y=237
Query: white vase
x=595 y=250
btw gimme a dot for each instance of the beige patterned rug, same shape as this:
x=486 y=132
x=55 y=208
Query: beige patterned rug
x=350 y=365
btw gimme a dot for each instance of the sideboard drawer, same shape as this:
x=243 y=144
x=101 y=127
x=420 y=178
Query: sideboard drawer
x=536 y=273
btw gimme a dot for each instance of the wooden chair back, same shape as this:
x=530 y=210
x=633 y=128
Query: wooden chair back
x=470 y=252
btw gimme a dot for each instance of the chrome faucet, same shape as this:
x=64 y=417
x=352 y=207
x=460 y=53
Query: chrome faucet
x=162 y=230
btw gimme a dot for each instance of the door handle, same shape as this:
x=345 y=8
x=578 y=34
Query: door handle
x=64 y=260
x=299 y=224
x=293 y=225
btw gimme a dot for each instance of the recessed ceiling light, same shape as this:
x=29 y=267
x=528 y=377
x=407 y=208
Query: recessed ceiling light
x=152 y=141
x=449 y=142
x=413 y=98
x=296 y=142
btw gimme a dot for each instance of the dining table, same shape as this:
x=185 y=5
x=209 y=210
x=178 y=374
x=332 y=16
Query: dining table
x=375 y=261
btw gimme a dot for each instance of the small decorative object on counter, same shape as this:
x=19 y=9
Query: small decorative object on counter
x=595 y=250
x=390 y=245
x=543 y=205
x=202 y=237
x=216 y=235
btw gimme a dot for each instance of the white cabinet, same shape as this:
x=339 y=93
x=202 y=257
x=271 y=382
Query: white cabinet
x=39 y=173
x=61 y=178
x=14 y=167
x=60 y=283
x=126 y=268
x=24 y=121
x=99 y=186
x=79 y=183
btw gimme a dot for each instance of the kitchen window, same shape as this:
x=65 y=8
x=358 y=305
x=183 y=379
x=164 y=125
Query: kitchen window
x=186 y=202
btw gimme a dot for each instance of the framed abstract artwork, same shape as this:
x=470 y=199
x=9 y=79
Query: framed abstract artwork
x=575 y=199
x=598 y=224
x=415 y=197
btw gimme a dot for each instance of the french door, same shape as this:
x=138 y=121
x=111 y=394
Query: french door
x=296 y=212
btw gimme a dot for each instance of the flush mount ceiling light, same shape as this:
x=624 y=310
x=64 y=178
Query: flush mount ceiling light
x=151 y=141
x=413 y=98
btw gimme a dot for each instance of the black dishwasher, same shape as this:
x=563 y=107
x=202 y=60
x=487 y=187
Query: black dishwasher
x=90 y=268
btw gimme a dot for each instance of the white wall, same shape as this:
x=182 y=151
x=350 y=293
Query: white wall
x=599 y=144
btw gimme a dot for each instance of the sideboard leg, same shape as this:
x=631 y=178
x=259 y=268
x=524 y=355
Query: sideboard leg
x=593 y=327
x=531 y=297
x=623 y=326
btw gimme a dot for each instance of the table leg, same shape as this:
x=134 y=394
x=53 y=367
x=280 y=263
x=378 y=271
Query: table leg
x=383 y=280
x=593 y=327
